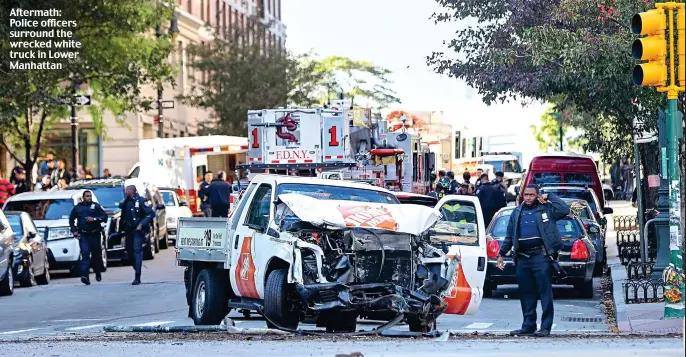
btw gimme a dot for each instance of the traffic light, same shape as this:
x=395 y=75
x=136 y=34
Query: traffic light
x=651 y=48
x=681 y=46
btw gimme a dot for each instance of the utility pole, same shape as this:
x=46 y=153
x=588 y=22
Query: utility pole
x=654 y=49
x=559 y=123
x=173 y=31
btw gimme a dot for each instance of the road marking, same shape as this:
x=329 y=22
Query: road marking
x=84 y=327
x=154 y=323
x=73 y=320
x=479 y=325
x=18 y=331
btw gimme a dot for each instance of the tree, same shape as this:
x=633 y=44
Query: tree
x=574 y=53
x=548 y=132
x=117 y=58
x=241 y=74
x=246 y=75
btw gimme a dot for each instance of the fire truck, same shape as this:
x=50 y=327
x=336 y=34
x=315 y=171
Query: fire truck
x=297 y=141
x=318 y=142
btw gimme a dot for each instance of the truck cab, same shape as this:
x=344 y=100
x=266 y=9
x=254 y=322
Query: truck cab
x=330 y=250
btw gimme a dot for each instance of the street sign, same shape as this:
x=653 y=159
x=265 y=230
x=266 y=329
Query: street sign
x=166 y=104
x=83 y=99
x=642 y=136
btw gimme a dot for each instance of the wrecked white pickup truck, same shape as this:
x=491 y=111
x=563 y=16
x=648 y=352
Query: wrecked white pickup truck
x=330 y=251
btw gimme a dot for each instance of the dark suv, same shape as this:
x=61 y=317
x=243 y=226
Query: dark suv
x=110 y=192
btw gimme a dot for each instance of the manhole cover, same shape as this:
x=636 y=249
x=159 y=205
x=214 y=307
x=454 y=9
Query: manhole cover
x=582 y=319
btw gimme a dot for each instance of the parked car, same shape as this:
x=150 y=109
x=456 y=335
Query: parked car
x=577 y=256
x=175 y=209
x=561 y=168
x=582 y=210
x=416 y=199
x=585 y=193
x=50 y=211
x=31 y=263
x=159 y=235
x=113 y=191
x=6 y=257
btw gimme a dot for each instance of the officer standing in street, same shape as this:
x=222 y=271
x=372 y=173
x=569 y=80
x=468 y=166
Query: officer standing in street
x=85 y=222
x=219 y=193
x=203 y=194
x=136 y=216
x=535 y=241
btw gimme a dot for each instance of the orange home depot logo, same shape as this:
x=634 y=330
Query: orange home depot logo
x=461 y=295
x=367 y=216
x=245 y=272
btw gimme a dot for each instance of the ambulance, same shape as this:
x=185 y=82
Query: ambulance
x=180 y=163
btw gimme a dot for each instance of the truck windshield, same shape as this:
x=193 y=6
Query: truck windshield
x=325 y=192
x=43 y=209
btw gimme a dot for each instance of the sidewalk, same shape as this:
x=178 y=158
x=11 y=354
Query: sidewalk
x=634 y=318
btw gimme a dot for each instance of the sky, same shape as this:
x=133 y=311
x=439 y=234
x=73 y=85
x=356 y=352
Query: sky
x=398 y=35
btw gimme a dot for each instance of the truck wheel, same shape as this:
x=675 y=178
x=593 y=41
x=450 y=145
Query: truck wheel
x=210 y=301
x=280 y=301
x=585 y=289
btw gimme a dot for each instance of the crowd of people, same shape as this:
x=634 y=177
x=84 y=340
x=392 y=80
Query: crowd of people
x=52 y=175
x=492 y=195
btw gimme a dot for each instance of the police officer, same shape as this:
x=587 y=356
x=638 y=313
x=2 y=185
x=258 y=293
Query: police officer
x=85 y=222
x=136 y=216
x=535 y=241
x=204 y=195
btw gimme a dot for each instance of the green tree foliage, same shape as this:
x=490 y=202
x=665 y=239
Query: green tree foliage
x=574 y=53
x=119 y=56
x=246 y=75
x=547 y=134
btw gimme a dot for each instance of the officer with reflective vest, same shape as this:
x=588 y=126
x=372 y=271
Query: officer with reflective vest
x=85 y=222
x=136 y=217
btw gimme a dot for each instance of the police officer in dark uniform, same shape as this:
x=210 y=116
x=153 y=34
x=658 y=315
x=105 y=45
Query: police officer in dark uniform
x=535 y=241
x=85 y=222
x=204 y=194
x=136 y=217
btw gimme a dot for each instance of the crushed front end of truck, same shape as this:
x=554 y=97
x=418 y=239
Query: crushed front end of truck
x=354 y=259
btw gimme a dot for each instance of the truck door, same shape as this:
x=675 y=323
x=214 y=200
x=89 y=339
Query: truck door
x=251 y=244
x=462 y=229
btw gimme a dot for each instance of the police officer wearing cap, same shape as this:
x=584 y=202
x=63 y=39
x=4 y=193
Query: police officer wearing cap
x=85 y=222
x=136 y=217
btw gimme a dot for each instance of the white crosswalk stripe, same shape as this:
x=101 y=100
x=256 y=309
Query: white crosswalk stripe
x=154 y=323
x=19 y=331
x=479 y=325
x=88 y=327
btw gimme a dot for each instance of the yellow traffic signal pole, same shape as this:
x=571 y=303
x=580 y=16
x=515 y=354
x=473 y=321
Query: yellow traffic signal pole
x=653 y=73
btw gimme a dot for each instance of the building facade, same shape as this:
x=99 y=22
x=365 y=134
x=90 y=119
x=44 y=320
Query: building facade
x=117 y=148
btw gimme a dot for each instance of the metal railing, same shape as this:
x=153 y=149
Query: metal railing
x=625 y=223
x=643 y=291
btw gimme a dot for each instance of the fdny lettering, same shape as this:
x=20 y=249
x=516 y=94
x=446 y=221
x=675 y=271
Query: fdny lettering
x=291 y=155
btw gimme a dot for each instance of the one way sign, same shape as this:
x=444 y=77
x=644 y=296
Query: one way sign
x=83 y=99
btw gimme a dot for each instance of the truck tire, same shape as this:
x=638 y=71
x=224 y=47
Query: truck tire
x=210 y=301
x=279 y=298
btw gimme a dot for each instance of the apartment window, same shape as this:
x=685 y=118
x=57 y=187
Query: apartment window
x=208 y=8
x=279 y=9
x=202 y=10
x=190 y=6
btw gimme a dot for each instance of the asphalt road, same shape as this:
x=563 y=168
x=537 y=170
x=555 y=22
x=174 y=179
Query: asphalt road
x=68 y=307
x=666 y=347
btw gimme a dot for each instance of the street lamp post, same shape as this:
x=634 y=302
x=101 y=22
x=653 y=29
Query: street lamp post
x=173 y=30
x=74 y=124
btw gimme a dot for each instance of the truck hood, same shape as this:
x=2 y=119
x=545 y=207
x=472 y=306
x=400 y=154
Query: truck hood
x=410 y=219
